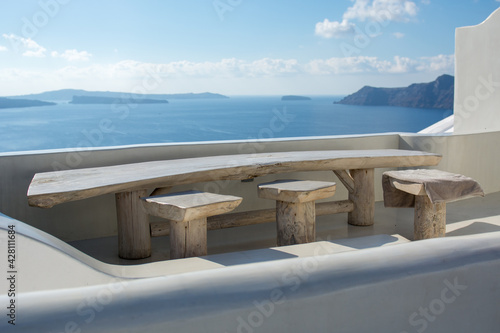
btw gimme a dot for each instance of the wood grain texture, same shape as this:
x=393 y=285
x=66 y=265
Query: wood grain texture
x=134 y=235
x=241 y=219
x=297 y=191
x=408 y=187
x=345 y=178
x=363 y=198
x=188 y=239
x=52 y=188
x=295 y=223
x=190 y=205
x=430 y=219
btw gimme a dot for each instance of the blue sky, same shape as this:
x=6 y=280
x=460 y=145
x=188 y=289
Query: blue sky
x=233 y=47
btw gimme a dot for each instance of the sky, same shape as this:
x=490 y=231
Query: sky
x=232 y=47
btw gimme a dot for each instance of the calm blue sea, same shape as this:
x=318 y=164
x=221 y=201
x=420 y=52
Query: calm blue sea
x=69 y=126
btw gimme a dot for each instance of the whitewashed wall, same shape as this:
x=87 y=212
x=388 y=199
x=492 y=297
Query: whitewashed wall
x=477 y=77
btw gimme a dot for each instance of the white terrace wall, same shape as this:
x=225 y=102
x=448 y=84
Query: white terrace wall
x=477 y=77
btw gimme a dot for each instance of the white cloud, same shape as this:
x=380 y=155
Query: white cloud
x=364 y=64
x=381 y=10
x=261 y=68
x=2 y=48
x=398 y=35
x=440 y=62
x=130 y=69
x=73 y=55
x=232 y=74
x=27 y=46
x=371 y=10
x=329 y=29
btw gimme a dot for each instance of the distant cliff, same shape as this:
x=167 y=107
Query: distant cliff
x=6 y=103
x=112 y=100
x=433 y=95
x=67 y=95
x=295 y=98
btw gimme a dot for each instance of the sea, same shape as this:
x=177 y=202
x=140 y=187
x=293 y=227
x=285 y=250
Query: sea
x=191 y=120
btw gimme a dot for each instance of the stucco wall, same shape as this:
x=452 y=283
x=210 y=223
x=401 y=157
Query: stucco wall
x=475 y=155
x=477 y=77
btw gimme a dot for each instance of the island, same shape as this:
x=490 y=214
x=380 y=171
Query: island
x=7 y=103
x=295 y=98
x=112 y=100
x=67 y=95
x=437 y=94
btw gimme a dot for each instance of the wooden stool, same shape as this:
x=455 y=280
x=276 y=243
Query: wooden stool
x=429 y=219
x=428 y=191
x=295 y=207
x=188 y=212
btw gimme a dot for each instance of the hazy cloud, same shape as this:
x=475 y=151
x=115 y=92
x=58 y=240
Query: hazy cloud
x=73 y=55
x=135 y=71
x=2 y=48
x=398 y=35
x=329 y=29
x=376 y=10
x=27 y=46
x=364 y=64
x=372 y=10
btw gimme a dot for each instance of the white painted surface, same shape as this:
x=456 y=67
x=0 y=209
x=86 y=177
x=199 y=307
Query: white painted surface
x=438 y=285
x=442 y=126
x=46 y=263
x=477 y=77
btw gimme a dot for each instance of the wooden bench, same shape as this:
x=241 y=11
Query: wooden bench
x=131 y=182
x=295 y=207
x=187 y=213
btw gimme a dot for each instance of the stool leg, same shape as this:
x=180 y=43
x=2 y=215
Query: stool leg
x=430 y=219
x=296 y=222
x=188 y=239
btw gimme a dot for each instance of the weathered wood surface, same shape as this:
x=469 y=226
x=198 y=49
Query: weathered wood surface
x=187 y=213
x=190 y=205
x=52 y=188
x=408 y=187
x=430 y=219
x=134 y=239
x=295 y=223
x=188 y=239
x=363 y=196
x=295 y=207
x=345 y=178
x=241 y=219
x=296 y=191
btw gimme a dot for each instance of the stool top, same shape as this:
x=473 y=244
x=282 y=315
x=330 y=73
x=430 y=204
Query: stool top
x=439 y=186
x=190 y=205
x=296 y=191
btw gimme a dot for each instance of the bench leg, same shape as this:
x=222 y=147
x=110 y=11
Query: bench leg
x=296 y=222
x=363 y=197
x=188 y=239
x=134 y=235
x=430 y=219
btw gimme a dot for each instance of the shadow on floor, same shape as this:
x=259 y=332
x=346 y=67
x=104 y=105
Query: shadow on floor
x=251 y=257
x=475 y=228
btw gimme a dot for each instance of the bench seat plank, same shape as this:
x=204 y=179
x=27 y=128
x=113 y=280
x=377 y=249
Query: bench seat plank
x=52 y=188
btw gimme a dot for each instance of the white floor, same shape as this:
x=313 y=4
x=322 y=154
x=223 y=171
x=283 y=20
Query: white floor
x=470 y=216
